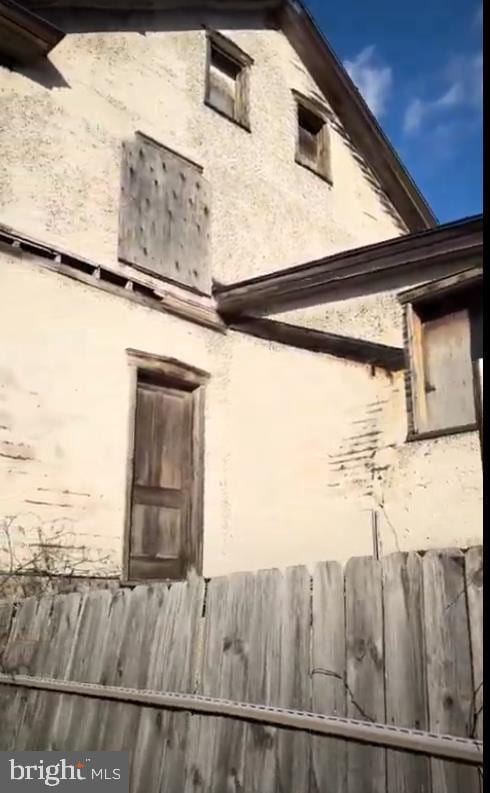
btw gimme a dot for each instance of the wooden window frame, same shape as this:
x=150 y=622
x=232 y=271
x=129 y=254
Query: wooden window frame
x=243 y=63
x=173 y=373
x=323 y=169
x=415 y=379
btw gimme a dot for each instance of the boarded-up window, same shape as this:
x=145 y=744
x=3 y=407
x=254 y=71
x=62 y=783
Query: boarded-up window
x=165 y=512
x=227 y=79
x=164 y=218
x=313 y=138
x=442 y=388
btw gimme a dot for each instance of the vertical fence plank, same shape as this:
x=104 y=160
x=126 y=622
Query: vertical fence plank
x=18 y=657
x=177 y=668
x=474 y=589
x=263 y=681
x=449 y=673
x=75 y=716
x=6 y=617
x=294 y=749
x=57 y=630
x=215 y=760
x=366 y=769
x=405 y=661
x=329 y=756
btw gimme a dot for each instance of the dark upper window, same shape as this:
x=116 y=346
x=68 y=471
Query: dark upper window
x=227 y=79
x=313 y=137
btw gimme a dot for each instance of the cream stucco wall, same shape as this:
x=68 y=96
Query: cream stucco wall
x=62 y=125
x=301 y=449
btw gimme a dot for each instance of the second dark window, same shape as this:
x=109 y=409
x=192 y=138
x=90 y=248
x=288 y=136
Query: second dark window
x=313 y=138
x=227 y=89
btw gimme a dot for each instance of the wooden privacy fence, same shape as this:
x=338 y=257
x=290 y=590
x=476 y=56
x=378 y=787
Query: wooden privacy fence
x=396 y=641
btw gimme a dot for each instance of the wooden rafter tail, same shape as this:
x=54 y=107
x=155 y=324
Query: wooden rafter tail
x=359 y=350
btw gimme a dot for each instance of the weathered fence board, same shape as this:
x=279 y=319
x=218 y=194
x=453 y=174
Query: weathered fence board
x=294 y=749
x=474 y=589
x=397 y=640
x=263 y=682
x=329 y=757
x=449 y=668
x=366 y=767
x=406 y=688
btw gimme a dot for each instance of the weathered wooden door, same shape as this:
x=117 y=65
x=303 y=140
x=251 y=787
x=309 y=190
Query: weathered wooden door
x=162 y=483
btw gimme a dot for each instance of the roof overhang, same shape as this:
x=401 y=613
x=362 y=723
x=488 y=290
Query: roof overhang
x=394 y=264
x=24 y=37
x=464 y=282
x=329 y=74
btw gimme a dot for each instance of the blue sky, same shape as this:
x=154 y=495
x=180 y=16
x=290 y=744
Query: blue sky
x=419 y=67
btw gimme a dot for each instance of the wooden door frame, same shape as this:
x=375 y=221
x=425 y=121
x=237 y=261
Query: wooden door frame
x=171 y=373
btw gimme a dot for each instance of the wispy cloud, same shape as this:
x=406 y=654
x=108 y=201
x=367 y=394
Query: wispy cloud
x=462 y=80
x=373 y=78
x=478 y=18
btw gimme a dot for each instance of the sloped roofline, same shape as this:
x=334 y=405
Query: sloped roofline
x=331 y=77
x=381 y=266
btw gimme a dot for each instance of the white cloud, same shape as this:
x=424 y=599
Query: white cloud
x=373 y=79
x=463 y=77
x=414 y=115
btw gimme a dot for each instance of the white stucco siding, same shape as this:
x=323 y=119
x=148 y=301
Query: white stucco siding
x=300 y=448
x=63 y=123
x=275 y=422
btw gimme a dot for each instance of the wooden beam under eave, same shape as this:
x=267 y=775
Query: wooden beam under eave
x=25 y=37
x=390 y=358
x=393 y=264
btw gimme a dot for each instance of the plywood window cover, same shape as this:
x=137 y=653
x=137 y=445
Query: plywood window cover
x=173 y=247
x=415 y=381
x=175 y=374
x=321 y=114
x=241 y=63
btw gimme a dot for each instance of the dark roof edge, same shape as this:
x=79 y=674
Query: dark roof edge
x=29 y=23
x=467 y=226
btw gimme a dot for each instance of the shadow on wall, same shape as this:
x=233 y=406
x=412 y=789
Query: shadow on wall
x=44 y=73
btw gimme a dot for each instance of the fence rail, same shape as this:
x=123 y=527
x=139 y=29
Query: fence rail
x=445 y=747
x=396 y=642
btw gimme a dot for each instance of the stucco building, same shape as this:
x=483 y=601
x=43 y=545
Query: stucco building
x=168 y=170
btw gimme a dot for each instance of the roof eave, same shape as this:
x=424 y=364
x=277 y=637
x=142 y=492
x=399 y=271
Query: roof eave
x=25 y=37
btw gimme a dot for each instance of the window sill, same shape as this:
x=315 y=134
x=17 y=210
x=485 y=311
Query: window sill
x=315 y=171
x=133 y=582
x=441 y=433
x=241 y=124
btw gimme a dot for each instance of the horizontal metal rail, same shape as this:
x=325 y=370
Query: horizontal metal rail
x=446 y=747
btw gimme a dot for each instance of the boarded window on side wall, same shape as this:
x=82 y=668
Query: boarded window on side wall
x=442 y=388
x=164 y=217
x=164 y=531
